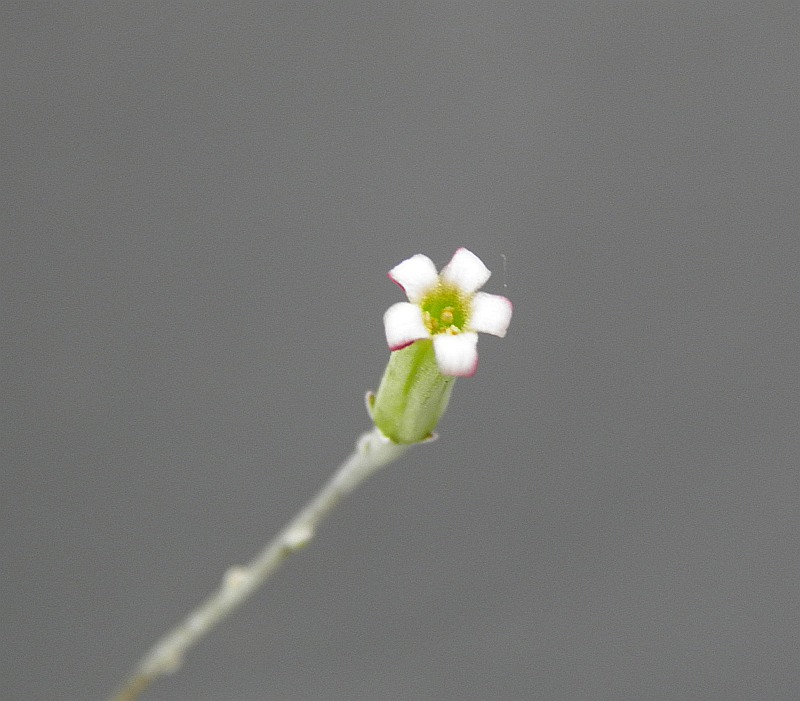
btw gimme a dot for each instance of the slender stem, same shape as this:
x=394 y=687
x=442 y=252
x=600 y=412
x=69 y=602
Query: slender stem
x=372 y=451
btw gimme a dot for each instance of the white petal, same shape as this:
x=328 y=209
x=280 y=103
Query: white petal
x=416 y=275
x=490 y=314
x=466 y=271
x=403 y=325
x=456 y=354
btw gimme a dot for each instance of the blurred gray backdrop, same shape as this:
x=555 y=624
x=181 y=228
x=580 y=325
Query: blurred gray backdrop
x=200 y=201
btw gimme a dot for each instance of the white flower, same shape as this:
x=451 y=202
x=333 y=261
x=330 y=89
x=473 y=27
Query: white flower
x=447 y=308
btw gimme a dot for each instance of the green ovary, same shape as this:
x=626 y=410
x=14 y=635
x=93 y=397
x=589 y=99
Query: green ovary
x=445 y=310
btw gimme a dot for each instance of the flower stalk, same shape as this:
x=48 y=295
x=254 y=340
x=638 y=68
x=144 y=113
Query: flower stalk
x=433 y=339
x=372 y=452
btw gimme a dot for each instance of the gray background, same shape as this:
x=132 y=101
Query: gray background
x=200 y=202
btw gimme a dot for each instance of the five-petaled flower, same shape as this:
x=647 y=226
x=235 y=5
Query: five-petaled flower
x=447 y=308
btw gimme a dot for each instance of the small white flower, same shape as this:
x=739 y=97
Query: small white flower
x=447 y=308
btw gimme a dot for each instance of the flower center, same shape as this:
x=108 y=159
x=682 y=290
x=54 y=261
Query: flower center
x=445 y=310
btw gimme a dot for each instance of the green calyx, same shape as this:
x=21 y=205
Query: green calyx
x=413 y=394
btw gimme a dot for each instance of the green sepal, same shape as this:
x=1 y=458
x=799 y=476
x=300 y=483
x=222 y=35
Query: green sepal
x=412 y=396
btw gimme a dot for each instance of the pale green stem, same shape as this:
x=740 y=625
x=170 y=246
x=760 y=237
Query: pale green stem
x=372 y=451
